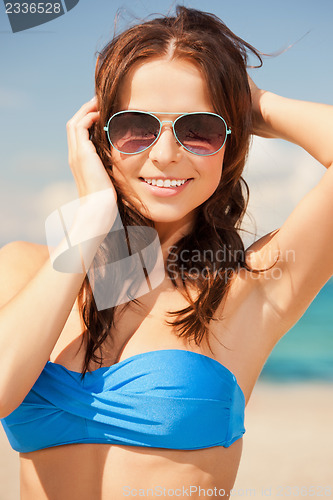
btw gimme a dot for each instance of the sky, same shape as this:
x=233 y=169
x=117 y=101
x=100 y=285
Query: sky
x=47 y=73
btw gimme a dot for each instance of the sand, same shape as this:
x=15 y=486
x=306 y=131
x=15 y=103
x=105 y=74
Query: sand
x=287 y=450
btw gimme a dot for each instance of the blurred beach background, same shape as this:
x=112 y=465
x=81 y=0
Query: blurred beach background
x=47 y=73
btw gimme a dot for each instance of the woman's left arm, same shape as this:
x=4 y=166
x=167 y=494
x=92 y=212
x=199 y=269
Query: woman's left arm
x=304 y=242
x=307 y=124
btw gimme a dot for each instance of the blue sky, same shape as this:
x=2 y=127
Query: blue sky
x=47 y=73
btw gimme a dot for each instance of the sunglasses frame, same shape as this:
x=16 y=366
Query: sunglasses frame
x=106 y=128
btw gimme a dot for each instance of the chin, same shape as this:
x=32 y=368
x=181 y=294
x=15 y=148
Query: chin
x=164 y=218
x=166 y=214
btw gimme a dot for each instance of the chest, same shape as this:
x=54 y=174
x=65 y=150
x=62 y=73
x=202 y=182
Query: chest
x=236 y=336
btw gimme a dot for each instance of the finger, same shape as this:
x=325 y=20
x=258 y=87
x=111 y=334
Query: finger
x=71 y=124
x=71 y=141
x=81 y=129
x=85 y=108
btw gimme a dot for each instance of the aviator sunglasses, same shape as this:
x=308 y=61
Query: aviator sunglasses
x=201 y=133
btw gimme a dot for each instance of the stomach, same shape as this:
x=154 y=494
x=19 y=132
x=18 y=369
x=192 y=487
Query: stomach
x=104 y=472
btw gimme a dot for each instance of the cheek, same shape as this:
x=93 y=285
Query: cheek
x=125 y=171
x=211 y=171
x=128 y=165
x=120 y=173
x=122 y=168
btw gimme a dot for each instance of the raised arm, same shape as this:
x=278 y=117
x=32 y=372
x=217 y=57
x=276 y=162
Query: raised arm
x=35 y=298
x=306 y=124
x=305 y=240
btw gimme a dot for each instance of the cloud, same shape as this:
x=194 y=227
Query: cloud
x=23 y=211
x=55 y=195
x=279 y=175
x=36 y=162
x=14 y=99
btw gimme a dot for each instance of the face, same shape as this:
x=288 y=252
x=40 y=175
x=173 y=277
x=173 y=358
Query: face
x=172 y=87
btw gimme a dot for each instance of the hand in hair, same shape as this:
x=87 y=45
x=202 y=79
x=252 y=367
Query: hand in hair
x=88 y=170
x=258 y=121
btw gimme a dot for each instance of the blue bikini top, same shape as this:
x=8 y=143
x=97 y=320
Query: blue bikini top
x=169 y=398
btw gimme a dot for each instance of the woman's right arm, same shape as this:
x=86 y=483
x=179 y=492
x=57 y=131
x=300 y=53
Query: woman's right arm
x=35 y=298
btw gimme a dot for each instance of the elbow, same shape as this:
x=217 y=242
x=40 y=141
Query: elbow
x=5 y=409
x=7 y=403
x=4 y=413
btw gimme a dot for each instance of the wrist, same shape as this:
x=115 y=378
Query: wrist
x=262 y=114
x=76 y=230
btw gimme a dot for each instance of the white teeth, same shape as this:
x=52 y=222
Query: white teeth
x=165 y=183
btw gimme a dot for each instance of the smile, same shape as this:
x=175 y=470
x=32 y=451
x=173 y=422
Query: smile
x=165 y=182
x=165 y=187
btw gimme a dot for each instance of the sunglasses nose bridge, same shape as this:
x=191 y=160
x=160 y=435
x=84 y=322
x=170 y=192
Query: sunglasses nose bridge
x=162 y=122
x=165 y=121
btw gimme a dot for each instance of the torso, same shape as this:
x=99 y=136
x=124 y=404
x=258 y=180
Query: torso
x=101 y=471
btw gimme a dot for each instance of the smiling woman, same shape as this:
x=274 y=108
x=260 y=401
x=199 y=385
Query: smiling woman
x=167 y=158
x=123 y=397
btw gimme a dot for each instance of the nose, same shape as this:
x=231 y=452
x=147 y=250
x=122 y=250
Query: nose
x=166 y=149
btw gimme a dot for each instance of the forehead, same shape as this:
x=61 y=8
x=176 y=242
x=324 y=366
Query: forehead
x=164 y=85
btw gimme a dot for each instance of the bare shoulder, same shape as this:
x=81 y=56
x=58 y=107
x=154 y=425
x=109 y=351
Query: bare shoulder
x=19 y=262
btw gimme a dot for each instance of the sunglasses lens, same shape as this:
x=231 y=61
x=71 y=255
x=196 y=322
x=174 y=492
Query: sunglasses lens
x=133 y=132
x=201 y=133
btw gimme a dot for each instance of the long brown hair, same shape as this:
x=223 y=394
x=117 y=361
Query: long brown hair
x=222 y=57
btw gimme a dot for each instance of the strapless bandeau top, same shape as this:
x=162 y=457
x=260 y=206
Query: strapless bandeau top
x=168 y=398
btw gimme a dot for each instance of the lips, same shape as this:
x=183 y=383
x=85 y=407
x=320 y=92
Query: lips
x=164 y=183
x=165 y=191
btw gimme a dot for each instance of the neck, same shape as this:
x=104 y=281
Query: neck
x=170 y=232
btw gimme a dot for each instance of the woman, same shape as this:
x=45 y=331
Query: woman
x=147 y=395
